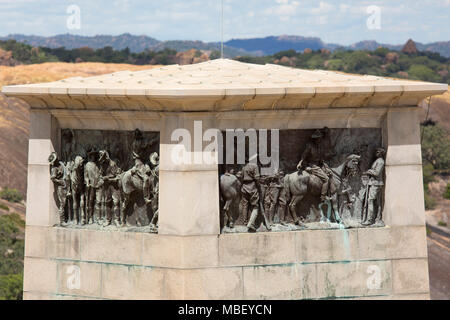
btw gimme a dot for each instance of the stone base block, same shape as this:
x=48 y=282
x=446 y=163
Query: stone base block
x=372 y=263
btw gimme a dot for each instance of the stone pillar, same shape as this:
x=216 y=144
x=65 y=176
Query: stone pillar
x=189 y=192
x=404 y=203
x=404 y=209
x=44 y=139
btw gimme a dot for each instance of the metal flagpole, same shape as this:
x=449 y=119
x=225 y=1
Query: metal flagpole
x=221 y=41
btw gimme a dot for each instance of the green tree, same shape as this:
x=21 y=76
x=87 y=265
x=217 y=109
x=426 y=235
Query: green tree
x=335 y=64
x=287 y=53
x=315 y=62
x=11 y=195
x=436 y=146
x=358 y=61
x=381 y=52
x=214 y=55
x=11 y=286
x=447 y=192
x=428 y=176
x=420 y=72
x=11 y=253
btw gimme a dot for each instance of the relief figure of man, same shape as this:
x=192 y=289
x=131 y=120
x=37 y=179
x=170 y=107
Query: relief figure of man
x=154 y=178
x=250 y=201
x=275 y=198
x=375 y=185
x=110 y=174
x=93 y=183
x=60 y=178
x=313 y=160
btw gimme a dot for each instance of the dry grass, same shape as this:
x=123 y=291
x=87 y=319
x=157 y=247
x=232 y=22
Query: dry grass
x=439 y=109
x=53 y=71
x=445 y=97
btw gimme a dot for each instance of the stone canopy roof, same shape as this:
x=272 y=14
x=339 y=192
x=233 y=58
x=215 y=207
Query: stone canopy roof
x=221 y=85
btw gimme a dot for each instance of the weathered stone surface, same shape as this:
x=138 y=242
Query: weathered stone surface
x=404 y=204
x=392 y=242
x=410 y=276
x=162 y=251
x=403 y=126
x=398 y=155
x=179 y=251
x=87 y=285
x=112 y=247
x=41 y=209
x=259 y=248
x=327 y=245
x=213 y=283
x=131 y=282
x=394 y=297
x=30 y=295
x=190 y=207
x=40 y=275
x=353 y=279
x=148 y=284
x=424 y=296
x=36 y=241
x=39 y=150
x=287 y=282
x=41 y=124
x=70 y=297
x=64 y=243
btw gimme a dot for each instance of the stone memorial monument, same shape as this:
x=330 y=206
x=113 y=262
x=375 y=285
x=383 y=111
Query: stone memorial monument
x=225 y=180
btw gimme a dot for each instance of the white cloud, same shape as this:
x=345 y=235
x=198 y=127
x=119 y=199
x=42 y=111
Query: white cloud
x=323 y=7
x=332 y=20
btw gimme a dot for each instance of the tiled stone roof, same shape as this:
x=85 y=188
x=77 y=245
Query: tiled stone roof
x=225 y=85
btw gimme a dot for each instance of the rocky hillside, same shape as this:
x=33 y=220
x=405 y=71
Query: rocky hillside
x=14 y=120
x=136 y=43
x=6 y=58
x=439 y=110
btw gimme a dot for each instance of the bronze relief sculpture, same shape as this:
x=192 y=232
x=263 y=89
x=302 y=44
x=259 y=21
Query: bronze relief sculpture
x=328 y=178
x=327 y=188
x=93 y=190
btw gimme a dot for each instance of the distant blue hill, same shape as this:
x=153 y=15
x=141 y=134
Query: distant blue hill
x=272 y=44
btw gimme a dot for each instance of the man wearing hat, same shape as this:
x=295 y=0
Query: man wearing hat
x=375 y=184
x=250 y=201
x=110 y=174
x=154 y=178
x=142 y=171
x=313 y=159
x=61 y=181
x=93 y=183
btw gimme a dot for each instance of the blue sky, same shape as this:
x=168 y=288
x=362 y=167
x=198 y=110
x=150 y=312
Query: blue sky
x=342 y=22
